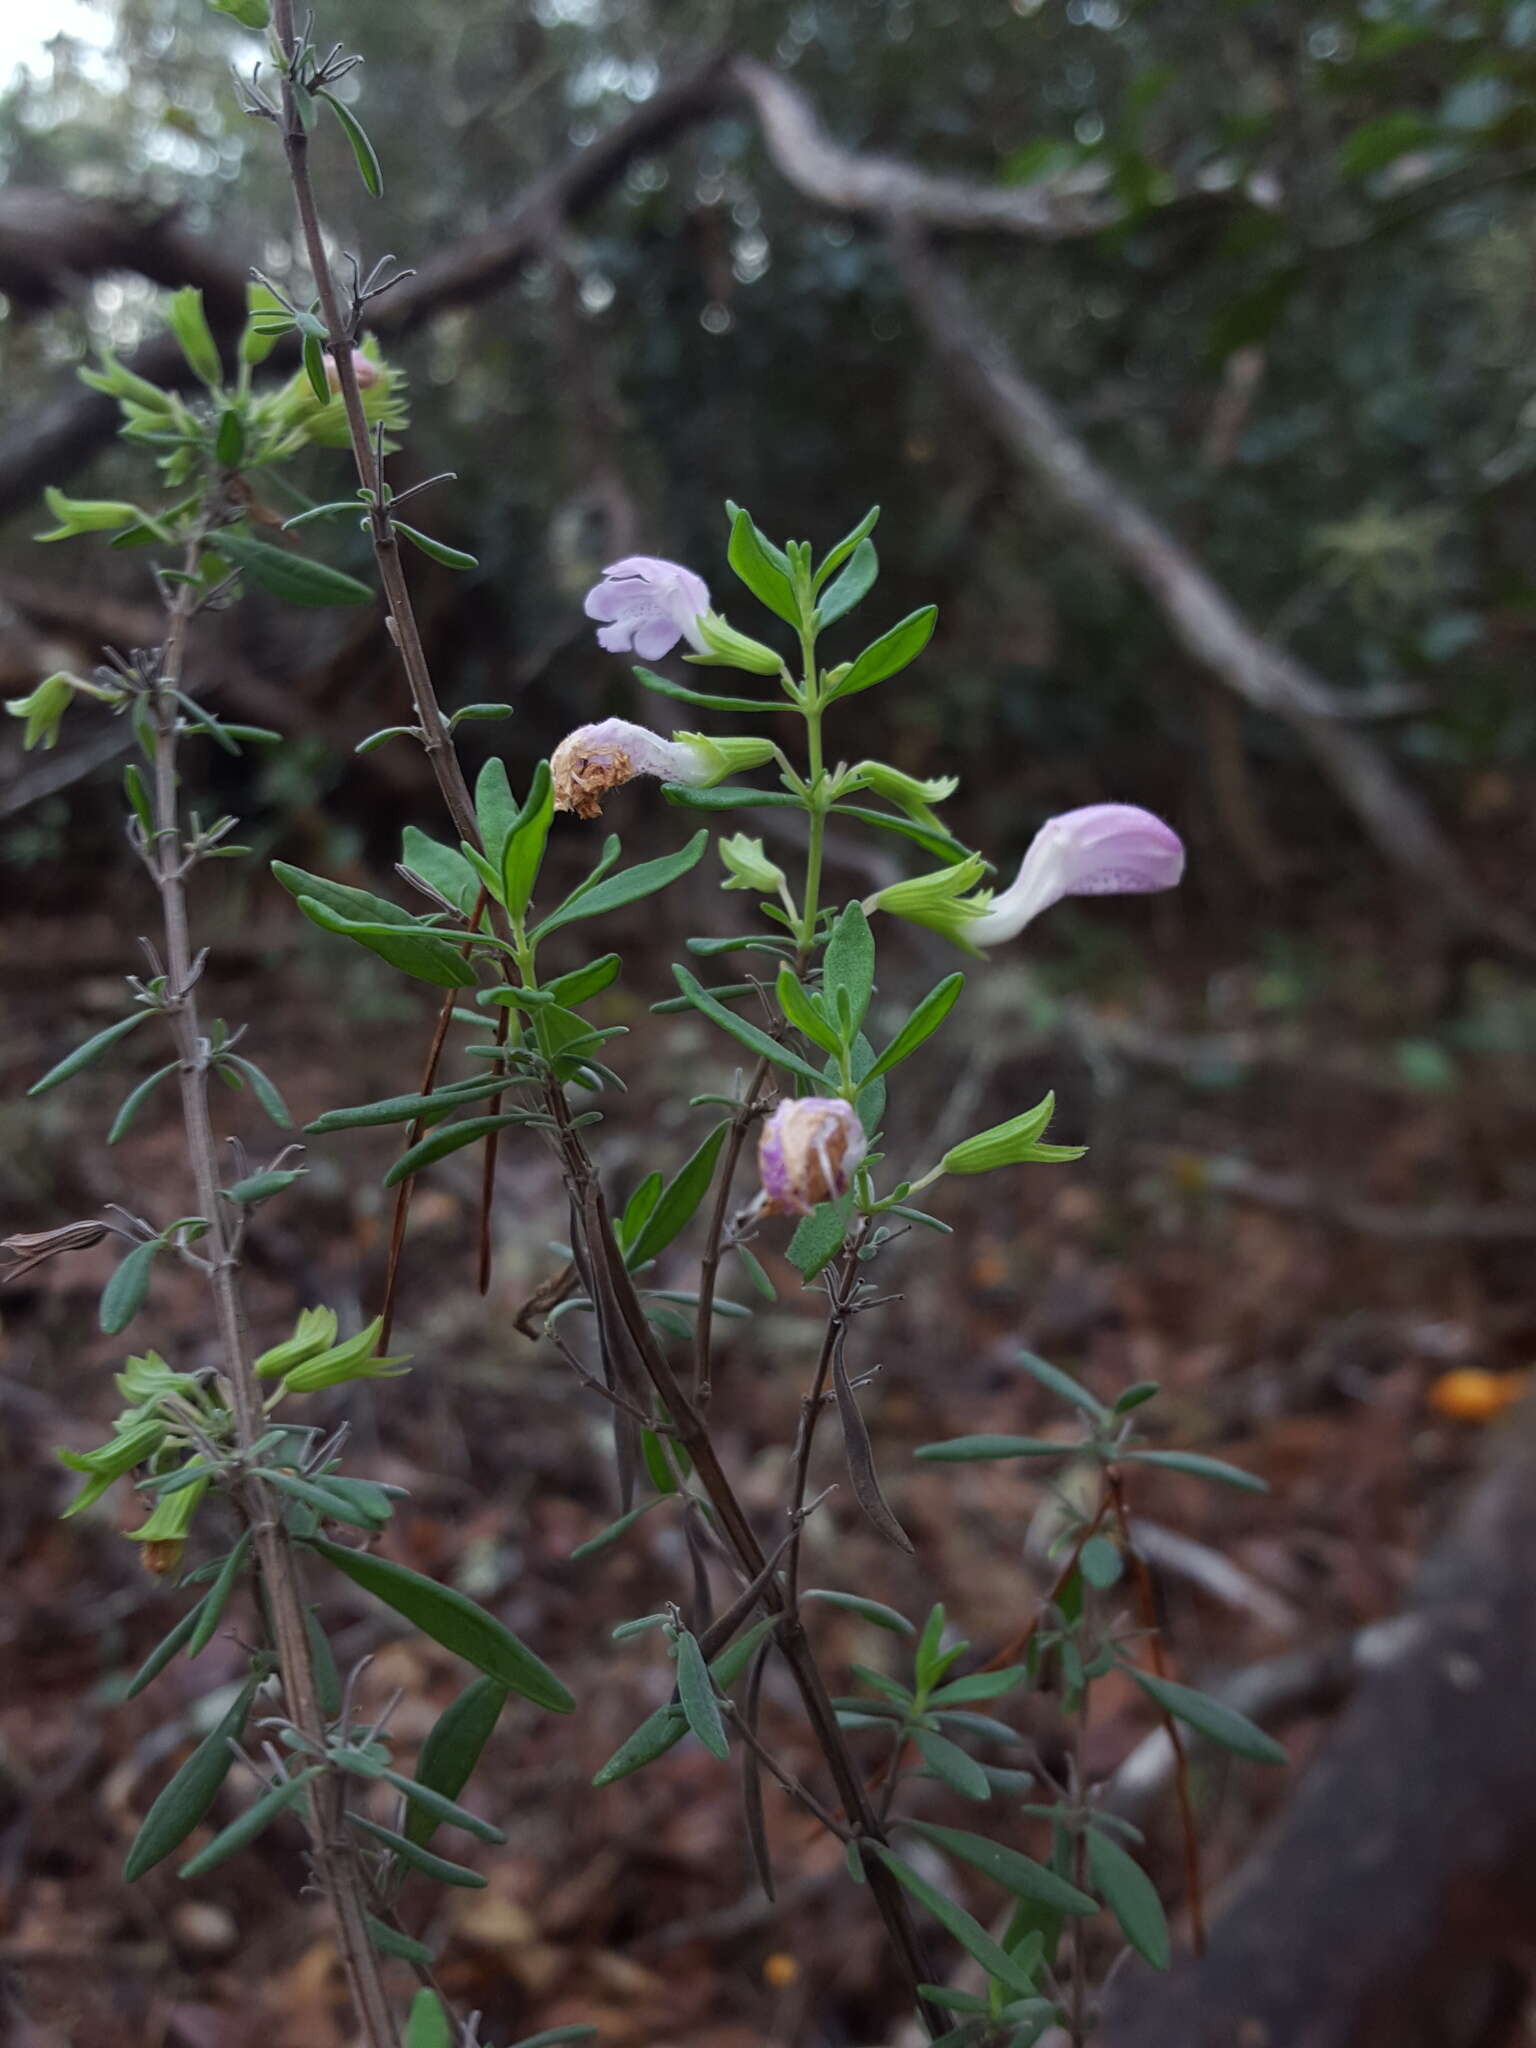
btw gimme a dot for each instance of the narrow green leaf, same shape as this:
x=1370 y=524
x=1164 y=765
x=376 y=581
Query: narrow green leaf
x=524 y=851
x=314 y=368
x=444 y=1810
x=294 y=578
x=730 y=796
x=551 y=2037
x=261 y=1187
x=1018 y=1874
x=83 y=1055
x=443 y=867
x=752 y=1265
x=1213 y=1719
x=1198 y=1467
x=123 y=1295
x=834 y=558
x=1129 y=1895
x=891 y=652
x=403 y=944
x=454 y=1621
x=189 y=323
x=438 y=550
x=135 y=1100
x=367 y=156
x=495 y=809
x=164 y=1651
x=678 y=1200
x=870 y=1610
x=746 y=1034
x=628 y=887
x=748 y=555
x=697 y=1694
x=616 y=1529
x=923 y=1022
x=1063 y=1385
x=979 y=1685
x=451 y=1138
x=970 y=1450
x=389 y=1941
x=188 y=1796
x=229 y=445
x=211 y=1608
x=852 y=587
x=582 y=983
x=453 y=1748
x=950 y=1763
x=656 y=1734
x=427 y=2025
x=708 y=700
x=849 y=961
x=404 y=1109
x=262 y=1088
x=324 y=1500
x=972 y=1937
x=801 y=1013
x=436 y=1867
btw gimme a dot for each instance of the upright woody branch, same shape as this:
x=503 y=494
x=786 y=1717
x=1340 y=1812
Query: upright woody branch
x=335 y=1864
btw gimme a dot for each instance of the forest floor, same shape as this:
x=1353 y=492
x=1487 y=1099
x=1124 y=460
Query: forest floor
x=1248 y=1229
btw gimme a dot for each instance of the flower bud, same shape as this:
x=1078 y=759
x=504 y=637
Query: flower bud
x=909 y=793
x=164 y=1535
x=364 y=369
x=314 y=1332
x=43 y=709
x=724 y=647
x=354 y=1360
x=809 y=1151
x=750 y=867
x=719 y=758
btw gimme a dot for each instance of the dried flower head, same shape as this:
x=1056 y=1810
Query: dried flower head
x=809 y=1152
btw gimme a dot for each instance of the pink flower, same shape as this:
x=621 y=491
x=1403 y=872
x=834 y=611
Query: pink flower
x=1100 y=850
x=809 y=1151
x=366 y=371
x=648 y=605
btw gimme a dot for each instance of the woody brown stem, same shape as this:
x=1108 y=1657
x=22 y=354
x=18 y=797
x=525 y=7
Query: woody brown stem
x=334 y=1864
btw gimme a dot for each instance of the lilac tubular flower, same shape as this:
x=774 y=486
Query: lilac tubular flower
x=648 y=605
x=1100 y=850
x=809 y=1152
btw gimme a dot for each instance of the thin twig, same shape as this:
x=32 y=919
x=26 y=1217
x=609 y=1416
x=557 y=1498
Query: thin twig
x=1147 y=1602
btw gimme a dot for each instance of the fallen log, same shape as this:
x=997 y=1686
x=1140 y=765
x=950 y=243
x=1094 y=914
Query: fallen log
x=1394 y=1903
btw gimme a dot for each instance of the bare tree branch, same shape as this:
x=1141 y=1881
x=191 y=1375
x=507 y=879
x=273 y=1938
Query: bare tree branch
x=1201 y=616
x=51 y=243
x=880 y=186
x=94 y=238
